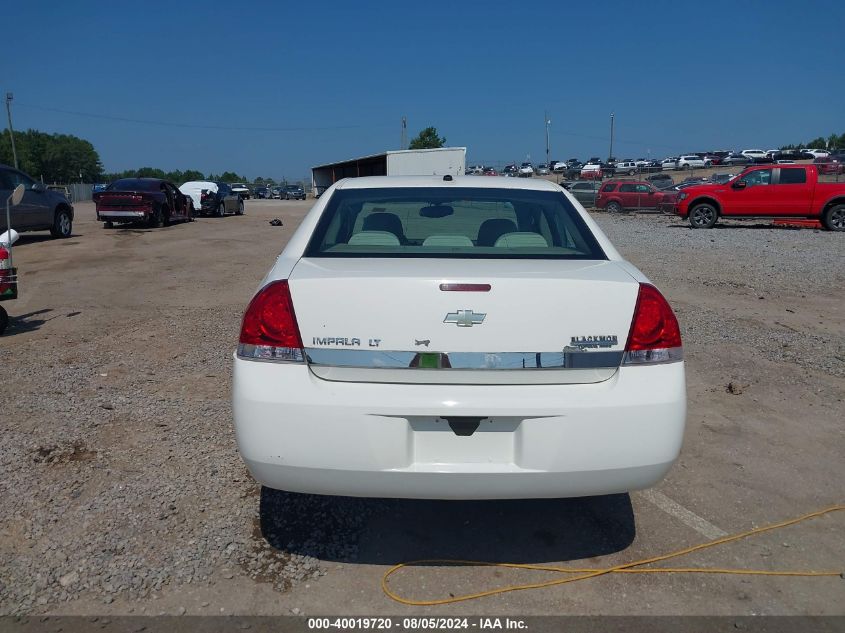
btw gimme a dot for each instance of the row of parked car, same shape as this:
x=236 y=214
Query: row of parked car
x=782 y=190
x=279 y=192
x=831 y=162
x=157 y=202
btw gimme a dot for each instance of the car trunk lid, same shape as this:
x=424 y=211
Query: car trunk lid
x=400 y=320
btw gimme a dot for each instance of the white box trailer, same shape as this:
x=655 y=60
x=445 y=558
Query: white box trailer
x=427 y=162
x=409 y=162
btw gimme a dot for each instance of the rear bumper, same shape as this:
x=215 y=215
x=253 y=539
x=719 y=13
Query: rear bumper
x=300 y=433
x=122 y=216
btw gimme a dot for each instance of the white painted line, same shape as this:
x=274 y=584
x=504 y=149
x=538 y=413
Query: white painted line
x=687 y=517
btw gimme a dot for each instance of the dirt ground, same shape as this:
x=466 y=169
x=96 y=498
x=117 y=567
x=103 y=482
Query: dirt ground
x=120 y=347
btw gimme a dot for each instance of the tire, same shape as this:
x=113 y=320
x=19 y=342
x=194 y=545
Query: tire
x=686 y=167
x=221 y=210
x=833 y=219
x=240 y=210
x=108 y=225
x=62 y=224
x=156 y=220
x=703 y=216
x=630 y=172
x=614 y=207
x=4 y=320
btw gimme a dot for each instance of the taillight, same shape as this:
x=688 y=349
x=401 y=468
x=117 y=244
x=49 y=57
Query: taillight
x=655 y=336
x=269 y=330
x=7 y=274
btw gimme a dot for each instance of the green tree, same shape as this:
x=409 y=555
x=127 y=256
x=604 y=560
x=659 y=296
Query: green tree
x=192 y=174
x=427 y=139
x=230 y=176
x=53 y=157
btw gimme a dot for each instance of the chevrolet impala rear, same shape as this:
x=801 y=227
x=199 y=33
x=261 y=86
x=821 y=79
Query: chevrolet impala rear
x=456 y=338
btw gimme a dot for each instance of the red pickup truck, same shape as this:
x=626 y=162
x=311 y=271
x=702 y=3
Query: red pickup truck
x=770 y=191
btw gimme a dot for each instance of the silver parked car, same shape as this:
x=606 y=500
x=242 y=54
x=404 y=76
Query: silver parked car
x=585 y=191
x=41 y=208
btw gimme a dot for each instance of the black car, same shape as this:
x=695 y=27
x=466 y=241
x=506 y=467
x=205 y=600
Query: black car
x=661 y=181
x=40 y=209
x=261 y=192
x=294 y=192
x=761 y=160
x=209 y=200
x=651 y=166
x=720 y=179
x=791 y=154
x=572 y=171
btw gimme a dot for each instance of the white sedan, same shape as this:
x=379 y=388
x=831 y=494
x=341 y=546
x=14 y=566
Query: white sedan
x=456 y=338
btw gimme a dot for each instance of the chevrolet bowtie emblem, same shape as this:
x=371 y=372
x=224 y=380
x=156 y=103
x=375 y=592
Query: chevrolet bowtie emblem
x=465 y=318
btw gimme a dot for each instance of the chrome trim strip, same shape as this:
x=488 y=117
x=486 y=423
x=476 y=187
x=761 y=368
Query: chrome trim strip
x=384 y=359
x=420 y=376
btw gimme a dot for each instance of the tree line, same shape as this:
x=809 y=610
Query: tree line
x=53 y=157
x=64 y=158
x=833 y=141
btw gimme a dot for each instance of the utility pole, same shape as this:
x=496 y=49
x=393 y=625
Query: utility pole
x=403 y=144
x=9 y=98
x=548 y=122
x=611 y=137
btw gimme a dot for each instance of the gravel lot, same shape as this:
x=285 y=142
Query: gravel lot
x=123 y=491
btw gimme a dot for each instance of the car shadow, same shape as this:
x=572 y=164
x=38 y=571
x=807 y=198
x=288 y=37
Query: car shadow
x=20 y=323
x=30 y=238
x=388 y=531
x=738 y=227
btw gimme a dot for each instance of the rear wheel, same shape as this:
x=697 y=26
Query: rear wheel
x=833 y=219
x=614 y=207
x=221 y=210
x=240 y=207
x=108 y=225
x=4 y=320
x=62 y=224
x=686 y=166
x=156 y=219
x=703 y=216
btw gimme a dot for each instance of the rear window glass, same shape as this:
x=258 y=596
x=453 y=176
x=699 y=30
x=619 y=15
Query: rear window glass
x=134 y=184
x=793 y=176
x=442 y=222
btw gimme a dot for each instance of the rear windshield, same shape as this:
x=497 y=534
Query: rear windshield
x=467 y=223
x=134 y=184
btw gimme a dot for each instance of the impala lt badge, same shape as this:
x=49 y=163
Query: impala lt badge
x=465 y=318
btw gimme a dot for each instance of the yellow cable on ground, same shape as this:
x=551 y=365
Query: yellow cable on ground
x=623 y=568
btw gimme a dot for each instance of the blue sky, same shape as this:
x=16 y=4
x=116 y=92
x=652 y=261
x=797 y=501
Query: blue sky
x=330 y=80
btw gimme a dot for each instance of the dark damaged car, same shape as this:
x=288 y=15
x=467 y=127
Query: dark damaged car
x=152 y=201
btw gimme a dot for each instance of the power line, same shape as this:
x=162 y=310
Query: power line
x=615 y=140
x=236 y=128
